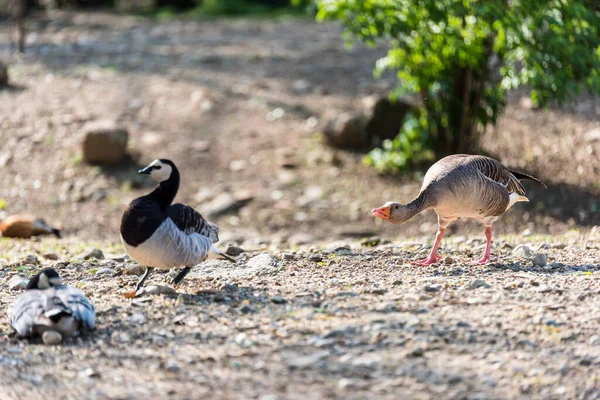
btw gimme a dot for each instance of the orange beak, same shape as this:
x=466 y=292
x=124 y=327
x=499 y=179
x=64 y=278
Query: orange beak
x=382 y=212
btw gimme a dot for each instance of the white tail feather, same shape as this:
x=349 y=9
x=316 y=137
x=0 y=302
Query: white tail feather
x=515 y=198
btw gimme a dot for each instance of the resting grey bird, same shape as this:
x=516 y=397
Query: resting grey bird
x=49 y=306
x=462 y=186
x=158 y=234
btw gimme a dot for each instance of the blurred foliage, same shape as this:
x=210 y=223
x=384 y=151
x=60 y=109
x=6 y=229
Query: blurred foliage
x=410 y=147
x=460 y=57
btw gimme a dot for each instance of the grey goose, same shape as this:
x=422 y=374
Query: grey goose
x=48 y=306
x=462 y=186
x=158 y=234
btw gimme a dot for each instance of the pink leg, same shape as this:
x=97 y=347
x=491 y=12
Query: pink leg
x=488 y=247
x=433 y=256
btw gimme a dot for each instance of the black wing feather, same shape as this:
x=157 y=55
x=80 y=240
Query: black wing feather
x=190 y=221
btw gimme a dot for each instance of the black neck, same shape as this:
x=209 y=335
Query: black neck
x=166 y=191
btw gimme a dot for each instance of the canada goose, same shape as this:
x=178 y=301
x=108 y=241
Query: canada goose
x=26 y=226
x=157 y=234
x=49 y=306
x=462 y=186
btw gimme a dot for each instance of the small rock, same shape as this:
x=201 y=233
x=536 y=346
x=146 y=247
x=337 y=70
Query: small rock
x=288 y=256
x=137 y=318
x=201 y=146
x=301 y=86
x=448 y=260
x=248 y=309
x=93 y=253
x=544 y=289
x=433 y=288
x=263 y=264
x=155 y=289
x=339 y=332
x=51 y=338
x=522 y=251
x=3 y=74
x=590 y=136
x=242 y=341
x=226 y=203
x=89 y=373
x=388 y=307
x=135 y=270
x=308 y=360
x=50 y=256
x=417 y=352
x=278 y=300
x=104 y=271
x=17 y=283
x=594 y=340
x=540 y=260
x=298 y=239
x=315 y=258
x=477 y=283
x=234 y=251
x=31 y=259
x=346 y=294
x=104 y=142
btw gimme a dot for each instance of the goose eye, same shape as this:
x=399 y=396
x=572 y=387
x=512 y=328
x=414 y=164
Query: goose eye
x=395 y=207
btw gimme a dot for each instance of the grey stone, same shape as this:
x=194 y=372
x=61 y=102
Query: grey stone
x=104 y=142
x=433 y=288
x=17 y=283
x=155 y=289
x=308 y=360
x=522 y=251
x=135 y=270
x=478 y=283
x=104 y=271
x=540 y=260
x=51 y=338
x=3 y=74
x=263 y=264
x=93 y=253
x=278 y=300
x=234 y=251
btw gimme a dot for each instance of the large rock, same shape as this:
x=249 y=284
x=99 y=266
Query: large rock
x=379 y=119
x=3 y=74
x=104 y=142
x=384 y=118
x=346 y=131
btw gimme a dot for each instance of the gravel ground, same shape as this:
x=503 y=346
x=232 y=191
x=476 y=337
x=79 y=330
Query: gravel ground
x=337 y=320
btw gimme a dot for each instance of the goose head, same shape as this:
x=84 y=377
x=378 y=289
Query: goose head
x=395 y=213
x=160 y=170
x=44 y=279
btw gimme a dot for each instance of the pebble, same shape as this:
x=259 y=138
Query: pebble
x=93 y=253
x=155 y=289
x=17 y=283
x=308 y=360
x=278 y=300
x=51 y=338
x=50 y=256
x=104 y=271
x=263 y=264
x=315 y=258
x=478 y=283
x=135 y=270
x=248 y=309
x=31 y=259
x=522 y=251
x=288 y=256
x=433 y=288
x=387 y=307
x=234 y=251
x=594 y=340
x=346 y=294
x=242 y=341
x=540 y=260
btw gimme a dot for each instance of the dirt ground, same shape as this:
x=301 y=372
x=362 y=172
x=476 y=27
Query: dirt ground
x=337 y=321
x=238 y=106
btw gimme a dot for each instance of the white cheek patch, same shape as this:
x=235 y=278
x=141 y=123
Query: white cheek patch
x=161 y=174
